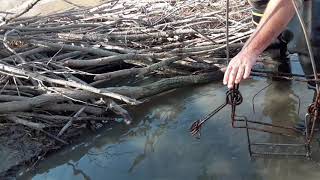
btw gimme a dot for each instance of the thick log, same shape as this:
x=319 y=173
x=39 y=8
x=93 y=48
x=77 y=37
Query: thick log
x=6 y=98
x=136 y=71
x=61 y=119
x=137 y=92
x=168 y=84
x=24 y=54
x=65 y=108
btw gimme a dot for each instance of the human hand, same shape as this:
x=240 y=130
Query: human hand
x=239 y=68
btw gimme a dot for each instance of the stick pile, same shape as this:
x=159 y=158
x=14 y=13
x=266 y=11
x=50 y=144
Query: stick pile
x=71 y=70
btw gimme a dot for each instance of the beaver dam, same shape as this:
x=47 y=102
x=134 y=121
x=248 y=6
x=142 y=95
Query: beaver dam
x=66 y=73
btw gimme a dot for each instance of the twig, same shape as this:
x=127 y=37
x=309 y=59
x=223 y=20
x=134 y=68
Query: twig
x=69 y=123
x=28 y=8
x=73 y=4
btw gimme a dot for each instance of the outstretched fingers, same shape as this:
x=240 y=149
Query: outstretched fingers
x=240 y=74
x=232 y=76
x=247 y=71
x=226 y=75
x=239 y=68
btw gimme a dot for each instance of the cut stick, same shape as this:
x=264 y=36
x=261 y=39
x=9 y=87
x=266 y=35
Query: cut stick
x=69 y=123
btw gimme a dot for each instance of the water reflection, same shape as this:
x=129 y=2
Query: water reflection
x=280 y=103
x=77 y=172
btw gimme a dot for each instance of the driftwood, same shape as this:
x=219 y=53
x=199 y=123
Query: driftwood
x=57 y=72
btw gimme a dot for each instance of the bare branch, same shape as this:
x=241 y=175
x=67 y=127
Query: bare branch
x=27 y=9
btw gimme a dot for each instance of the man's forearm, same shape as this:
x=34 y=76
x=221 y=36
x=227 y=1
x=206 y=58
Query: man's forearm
x=276 y=17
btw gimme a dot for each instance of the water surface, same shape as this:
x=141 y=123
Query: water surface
x=159 y=146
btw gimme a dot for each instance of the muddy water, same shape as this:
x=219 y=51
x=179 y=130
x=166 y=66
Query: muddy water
x=159 y=146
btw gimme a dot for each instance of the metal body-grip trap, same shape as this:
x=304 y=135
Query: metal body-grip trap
x=234 y=98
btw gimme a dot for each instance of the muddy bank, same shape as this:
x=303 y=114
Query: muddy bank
x=16 y=148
